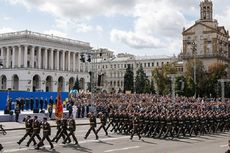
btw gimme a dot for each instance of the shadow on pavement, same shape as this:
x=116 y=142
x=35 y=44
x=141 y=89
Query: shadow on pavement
x=99 y=141
x=47 y=150
x=78 y=148
x=149 y=142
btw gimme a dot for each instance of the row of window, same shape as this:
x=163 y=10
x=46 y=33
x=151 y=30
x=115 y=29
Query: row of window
x=144 y=65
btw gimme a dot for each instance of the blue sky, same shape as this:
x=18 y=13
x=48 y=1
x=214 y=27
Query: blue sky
x=139 y=27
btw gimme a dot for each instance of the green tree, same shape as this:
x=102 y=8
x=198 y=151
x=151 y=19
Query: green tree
x=215 y=72
x=76 y=85
x=160 y=76
x=129 y=79
x=201 y=78
x=142 y=82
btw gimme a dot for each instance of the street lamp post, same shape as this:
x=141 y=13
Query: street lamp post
x=222 y=81
x=173 y=85
x=194 y=49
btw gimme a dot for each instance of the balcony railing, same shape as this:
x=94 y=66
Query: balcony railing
x=40 y=35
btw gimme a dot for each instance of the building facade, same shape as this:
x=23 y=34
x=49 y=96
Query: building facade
x=210 y=41
x=109 y=70
x=33 y=61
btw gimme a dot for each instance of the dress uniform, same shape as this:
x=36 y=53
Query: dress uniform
x=29 y=130
x=36 y=130
x=59 y=129
x=72 y=129
x=136 y=130
x=46 y=133
x=103 y=123
x=92 y=120
x=63 y=132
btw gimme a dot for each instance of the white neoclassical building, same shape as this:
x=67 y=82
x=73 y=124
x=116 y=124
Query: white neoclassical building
x=33 y=61
x=109 y=70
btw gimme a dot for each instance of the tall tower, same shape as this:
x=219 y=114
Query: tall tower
x=206 y=10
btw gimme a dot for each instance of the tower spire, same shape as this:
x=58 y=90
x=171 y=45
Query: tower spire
x=206 y=10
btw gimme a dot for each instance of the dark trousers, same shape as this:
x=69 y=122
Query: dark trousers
x=92 y=128
x=102 y=126
x=57 y=134
x=71 y=133
x=28 y=133
x=16 y=117
x=135 y=131
x=33 y=136
x=45 y=136
x=110 y=123
x=63 y=134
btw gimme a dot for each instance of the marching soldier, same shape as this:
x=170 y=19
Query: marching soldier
x=92 y=120
x=111 y=120
x=17 y=112
x=103 y=123
x=136 y=130
x=46 y=133
x=36 y=125
x=63 y=132
x=59 y=129
x=72 y=128
x=29 y=130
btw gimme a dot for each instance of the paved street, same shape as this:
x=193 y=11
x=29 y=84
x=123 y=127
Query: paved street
x=121 y=143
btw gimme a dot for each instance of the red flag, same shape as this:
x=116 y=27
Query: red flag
x=59 y=107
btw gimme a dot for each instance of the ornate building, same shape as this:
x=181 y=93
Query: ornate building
x=211 y=40
x=109 y=70
x=32 y=61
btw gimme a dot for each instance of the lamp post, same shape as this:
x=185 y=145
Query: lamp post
x=194 y=49
x=173 y=85
x=222 y=81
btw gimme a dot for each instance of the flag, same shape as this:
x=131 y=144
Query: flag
x=59 y=107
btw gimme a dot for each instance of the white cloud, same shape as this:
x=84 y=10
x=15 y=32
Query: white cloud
x=157 y=24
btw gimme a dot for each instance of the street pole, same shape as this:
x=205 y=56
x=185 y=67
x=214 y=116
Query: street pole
x=173 y=85
x=194 y=61
x=222 y=82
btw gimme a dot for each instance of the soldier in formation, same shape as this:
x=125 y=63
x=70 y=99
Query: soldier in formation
x=46 y=133
x=29 y=130
x=92 y=122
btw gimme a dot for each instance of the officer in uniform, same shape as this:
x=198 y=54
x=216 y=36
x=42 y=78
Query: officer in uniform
x=17 y=112
x=92 y=121
x=59 y=129
x=72 y=128
x=46 y=133
x=63 y=132
x=136 y=130
x=36 y=130
x=111 y=120
x=103 y=123
x=29 y=129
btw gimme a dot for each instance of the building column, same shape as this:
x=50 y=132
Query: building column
x=19 y=56
x=7 y=57
x=32 y=57
x=46 y=58
x=74 y=62
x=25 y=56
x=51 y=59
x=57 y=60
x=63 y=60
x=39 y=57
x=13 y=57
x=78 y=62
x=69 y=60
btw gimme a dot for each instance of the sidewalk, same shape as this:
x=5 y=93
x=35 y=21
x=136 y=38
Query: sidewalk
x=9 y=126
